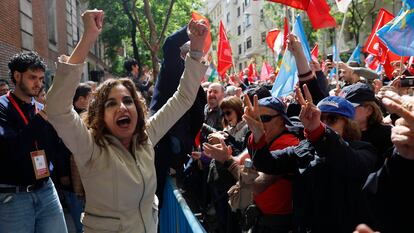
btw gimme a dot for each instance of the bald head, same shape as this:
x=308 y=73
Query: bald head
x=215 y=94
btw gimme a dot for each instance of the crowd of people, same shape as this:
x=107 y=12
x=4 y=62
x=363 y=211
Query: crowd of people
x=326 y=158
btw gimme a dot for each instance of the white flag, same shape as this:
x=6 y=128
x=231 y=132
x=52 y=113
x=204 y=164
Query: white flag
x=343 y=5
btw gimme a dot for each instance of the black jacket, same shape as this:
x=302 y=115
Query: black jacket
x=179 y=140
x=327 y=188
x=17 y=140
x=390 y=193
x=380 y=137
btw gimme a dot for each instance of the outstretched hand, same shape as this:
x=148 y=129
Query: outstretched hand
x=252 y=117
x=294 y=44
x=309 y=114
x=197 y=32
x=93 y=23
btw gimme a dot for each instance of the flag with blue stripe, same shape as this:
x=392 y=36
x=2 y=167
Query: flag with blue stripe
x=287 y=77
x=356 y=55
x=398 y=34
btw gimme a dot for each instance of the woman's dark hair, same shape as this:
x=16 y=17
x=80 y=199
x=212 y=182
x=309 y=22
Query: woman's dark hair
x=233 y=103
x=96 y=110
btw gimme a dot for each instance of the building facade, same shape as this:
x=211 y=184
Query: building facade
x=49 y=27
x=246 y=28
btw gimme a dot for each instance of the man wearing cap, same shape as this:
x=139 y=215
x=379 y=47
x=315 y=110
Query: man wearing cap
x=369 y=117
x=273 y=194
x=330 y=166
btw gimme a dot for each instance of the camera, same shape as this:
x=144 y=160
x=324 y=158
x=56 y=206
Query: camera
x=407 y=81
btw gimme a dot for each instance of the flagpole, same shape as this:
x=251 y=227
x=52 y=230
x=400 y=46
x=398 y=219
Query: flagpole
x=338 y=45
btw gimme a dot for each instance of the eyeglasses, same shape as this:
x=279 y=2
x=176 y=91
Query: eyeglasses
x=267 y=118
x=329 y=119
x=227 y=113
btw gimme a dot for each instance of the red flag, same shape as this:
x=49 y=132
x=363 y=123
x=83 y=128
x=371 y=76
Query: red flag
x=252 y=74
x=271 y=38
x=410 y=67
x=318 y=13
x=315 y=52
x=374 y=45
x=371 y=62
x=196 y=16
x=224 y=53
x=267 y=70
x=299 y=4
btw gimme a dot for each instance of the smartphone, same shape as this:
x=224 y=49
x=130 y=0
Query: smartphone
x=329 y=57
x=407 y=81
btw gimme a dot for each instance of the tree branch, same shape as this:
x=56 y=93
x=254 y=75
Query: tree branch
x=167 y=18
x=133 y=31
x=141 y=31
x=151 y=24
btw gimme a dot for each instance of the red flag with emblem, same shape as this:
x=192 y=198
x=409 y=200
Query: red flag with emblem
x=224 y=53
x=374 y=45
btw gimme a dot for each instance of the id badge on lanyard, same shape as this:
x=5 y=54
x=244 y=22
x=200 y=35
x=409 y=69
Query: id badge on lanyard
x=39 y=160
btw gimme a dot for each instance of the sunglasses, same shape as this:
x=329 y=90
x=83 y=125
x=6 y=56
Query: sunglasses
x=329 y=119
x=267 y=118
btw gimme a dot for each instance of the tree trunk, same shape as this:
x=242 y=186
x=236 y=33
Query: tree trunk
x=154 y=41
x=155 y=64
x=133 y=34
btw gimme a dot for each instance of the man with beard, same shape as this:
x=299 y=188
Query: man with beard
x=212 y=112
x=28 y=143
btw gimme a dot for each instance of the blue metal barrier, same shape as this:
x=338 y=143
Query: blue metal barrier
x=175 y=214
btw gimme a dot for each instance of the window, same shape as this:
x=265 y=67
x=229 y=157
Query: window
x=239 y=30
x=240 y=49
x=238 y=11
x=248 y=23
x=228 y=17
x=246 y=2
x=240 y=66
x=249 y=42
x=263 y=37
x=51 y=19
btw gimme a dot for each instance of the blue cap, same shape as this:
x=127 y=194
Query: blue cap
x=275 y=104
x=338 y=105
